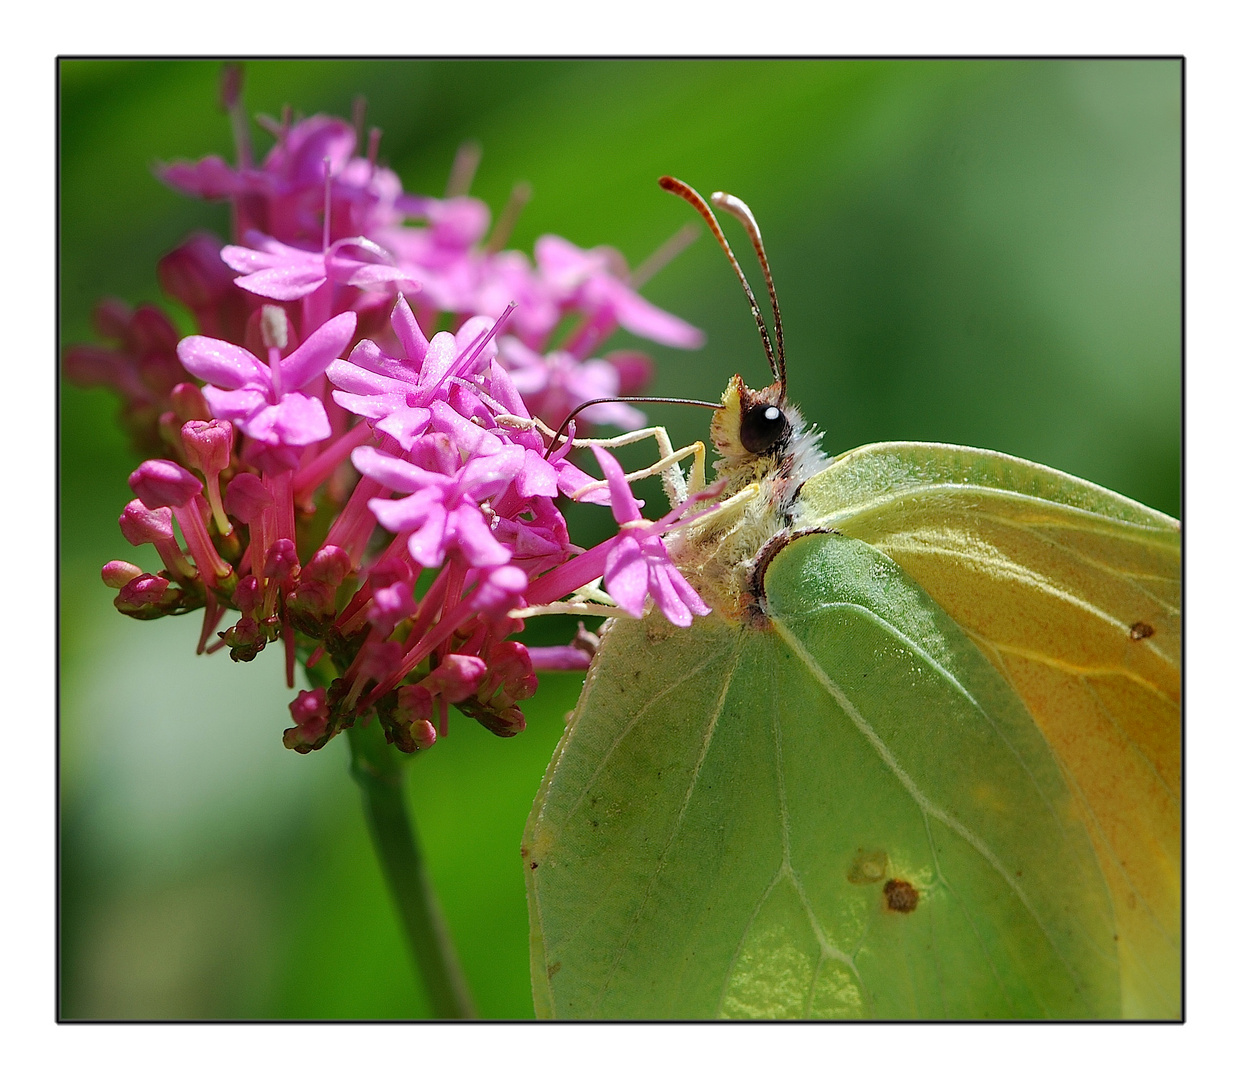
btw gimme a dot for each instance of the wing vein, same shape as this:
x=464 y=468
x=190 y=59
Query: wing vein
x=676 y=828
x=906 y=781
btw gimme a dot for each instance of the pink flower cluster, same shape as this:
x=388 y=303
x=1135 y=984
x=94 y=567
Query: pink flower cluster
x=326 y=472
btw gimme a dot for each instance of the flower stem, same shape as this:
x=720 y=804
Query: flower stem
x=380 y=774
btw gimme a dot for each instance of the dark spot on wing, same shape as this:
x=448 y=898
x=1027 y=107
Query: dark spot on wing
x=1140 y=630
x=900 y=895
x=534 y=866
x=867 y=867
x=553 y=968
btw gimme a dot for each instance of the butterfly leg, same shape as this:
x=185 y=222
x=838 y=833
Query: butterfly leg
x=675 y=486
x=666 y=468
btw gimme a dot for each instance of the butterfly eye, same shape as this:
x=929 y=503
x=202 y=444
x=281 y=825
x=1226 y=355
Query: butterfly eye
x=762 y=427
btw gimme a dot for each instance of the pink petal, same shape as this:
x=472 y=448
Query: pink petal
x=641 y=317
x=297 y=420
x=569 y=478
x=408 y=332
x=625 y=576
x=235 y=405
x=349 y=375
x=624 y=505
x=666 y=597
x=210 y=178
x=468 y=438
x=393 y=473
x=403 y=515
x=441 y=352
x=428 y=543
x=474 y=538
x=403 y=424
x=537 y=477
x=372 y=406
x=285 y=282
x=221 y=363
x=485 y=477
x=310 y=359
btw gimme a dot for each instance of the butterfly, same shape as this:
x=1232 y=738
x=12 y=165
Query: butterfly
x=922 y=759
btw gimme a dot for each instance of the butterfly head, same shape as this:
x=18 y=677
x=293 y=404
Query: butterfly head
x=757 y=433
x=750 y=425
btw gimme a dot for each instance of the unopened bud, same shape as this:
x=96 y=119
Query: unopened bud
x=500 y=591
x=164 y=483
x=246 y=497
x=422 y=734
x=328 y=565
x=142 y=597
x=281 y=562
x=457 y=677
x=188 y=402
x=245 y=640
x=247 y=594
x=208 y=444
x=142 y=525
x=118 y=573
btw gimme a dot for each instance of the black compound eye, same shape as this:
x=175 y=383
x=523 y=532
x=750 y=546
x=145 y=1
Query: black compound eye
x=762 y=427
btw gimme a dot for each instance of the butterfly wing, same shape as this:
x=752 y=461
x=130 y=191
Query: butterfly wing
x=1073 y=593
x=848 y=813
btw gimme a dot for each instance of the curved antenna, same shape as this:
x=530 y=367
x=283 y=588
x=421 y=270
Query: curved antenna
x=679 y=187
x=564 y=424
x=742 y=213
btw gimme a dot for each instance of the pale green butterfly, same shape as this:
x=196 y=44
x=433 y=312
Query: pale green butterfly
x=922 y=760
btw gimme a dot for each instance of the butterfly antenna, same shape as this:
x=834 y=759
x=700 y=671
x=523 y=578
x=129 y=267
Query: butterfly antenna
x=679 y=187
x=742 y=213
x=564 y=424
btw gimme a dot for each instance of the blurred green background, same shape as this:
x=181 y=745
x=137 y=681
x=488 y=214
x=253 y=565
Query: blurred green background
x=976 y=252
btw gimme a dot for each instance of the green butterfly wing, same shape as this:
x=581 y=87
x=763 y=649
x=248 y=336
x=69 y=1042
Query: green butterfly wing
x=1074 y=594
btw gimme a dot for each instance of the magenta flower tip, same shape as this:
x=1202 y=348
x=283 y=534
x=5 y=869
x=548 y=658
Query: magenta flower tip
x=159 y=483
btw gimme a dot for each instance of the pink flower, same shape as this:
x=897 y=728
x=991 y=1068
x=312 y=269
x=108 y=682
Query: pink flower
x=635 y=563
x=638 y=564
x=263 y=402
x=594 y=281
x=555 y=384
x=272 y=269
x=442 y=511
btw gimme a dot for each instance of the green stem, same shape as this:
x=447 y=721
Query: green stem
x=381 y=776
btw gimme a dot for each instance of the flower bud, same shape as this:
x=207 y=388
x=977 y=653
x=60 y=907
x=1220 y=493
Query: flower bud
x=407 y=725
x=111 y=318
x=118 y=573
x=422 y=734
x=457 y=678
x=309 y=711
x=188 y=402
x=143 y=525
x=161 y=483
x=146 y=597
x=245 y=639
x=247 y=594
x=281 y=562
x=246 y=497
x=500 y=591
x=208 y=444
x=328 y=566
x=195 y=274
x=313 y=716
